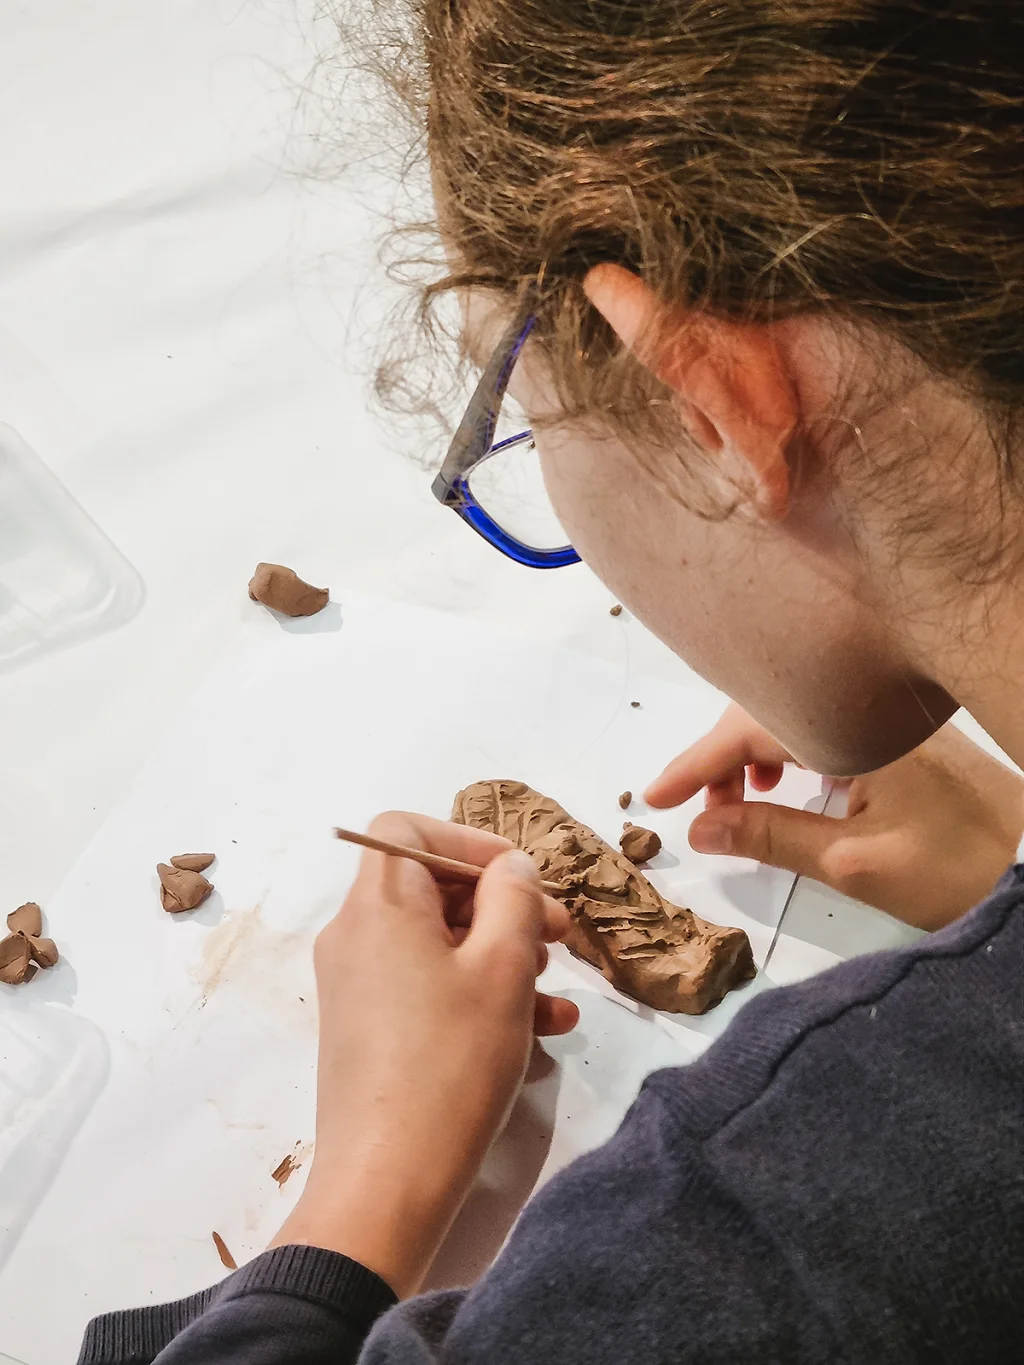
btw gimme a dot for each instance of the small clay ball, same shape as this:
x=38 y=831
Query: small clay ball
x=625 y=799
x=638 y=844
x=616 y=610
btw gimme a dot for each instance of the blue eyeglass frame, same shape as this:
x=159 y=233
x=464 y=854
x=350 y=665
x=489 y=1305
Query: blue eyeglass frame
x=472 y=444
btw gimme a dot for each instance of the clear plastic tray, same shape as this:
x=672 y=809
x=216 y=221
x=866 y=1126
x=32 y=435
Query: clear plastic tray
x=61 y=579
x=53 y=1064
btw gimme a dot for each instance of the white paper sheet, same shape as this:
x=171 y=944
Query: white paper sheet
x=210 y=1017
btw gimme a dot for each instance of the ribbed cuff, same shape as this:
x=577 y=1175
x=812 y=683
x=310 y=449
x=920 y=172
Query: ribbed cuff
x=302 y=1272
x=313 y=1274
x=139 y=1334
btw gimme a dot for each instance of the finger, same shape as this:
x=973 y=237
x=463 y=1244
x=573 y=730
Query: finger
x=557 y=920
x=468 y=845
x=735 y=743
x=726 y=793
x=459 y=897
x=458 y=903
x=401 y=885
x=552 y=1015
x=765 y=777
x=542 y=957
x=509 y=915
x=796 y=840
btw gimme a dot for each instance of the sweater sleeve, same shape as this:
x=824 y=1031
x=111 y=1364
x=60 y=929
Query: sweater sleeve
x=837 y=1179
x=297 y=1304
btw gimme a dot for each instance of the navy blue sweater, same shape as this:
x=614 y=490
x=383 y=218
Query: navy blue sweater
x=839 y=1178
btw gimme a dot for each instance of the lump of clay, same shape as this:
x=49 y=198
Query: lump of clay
x=15 y=960
x=27 y=919
x=625 y=800
x=44 y=952
x=658 y=953
x=192 y=862
x=181 y=889
x=281 y=588
x=24 y=949
x=638 y=844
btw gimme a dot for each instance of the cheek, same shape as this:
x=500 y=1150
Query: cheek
x=769 y=622
x=662 y=561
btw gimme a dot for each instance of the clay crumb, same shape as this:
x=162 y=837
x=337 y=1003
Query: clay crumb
x=284 y=1169
x=625 y=800
x=638 y=844
x=226 y=1258
x=27 y=919
x=635 y=705
x=281 y=588
x=288 y=1165
x=616 y=610
x=192 y=862
x=181 y=889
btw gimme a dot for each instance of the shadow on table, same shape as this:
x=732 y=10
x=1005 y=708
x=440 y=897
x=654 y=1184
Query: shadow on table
x=325 y=621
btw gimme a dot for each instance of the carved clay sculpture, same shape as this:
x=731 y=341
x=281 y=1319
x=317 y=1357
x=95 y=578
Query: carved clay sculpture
x=660 y=954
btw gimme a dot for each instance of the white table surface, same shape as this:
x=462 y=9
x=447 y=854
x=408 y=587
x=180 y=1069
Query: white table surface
x=184 y=332
x=185 y=326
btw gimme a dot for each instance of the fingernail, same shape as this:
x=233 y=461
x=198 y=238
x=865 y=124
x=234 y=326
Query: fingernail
x=710 y=836
x=520 y=864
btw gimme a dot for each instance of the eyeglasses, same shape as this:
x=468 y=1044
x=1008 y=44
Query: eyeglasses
x=496 y=486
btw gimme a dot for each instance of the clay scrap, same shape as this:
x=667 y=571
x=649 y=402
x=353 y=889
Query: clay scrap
x=625 y=800
x=661 y=954
x=281 y=588
x=192 y=862
x=289 y=1164
x=182 y=884
x=638 y=844
x=226 y=1258
x=24 y=950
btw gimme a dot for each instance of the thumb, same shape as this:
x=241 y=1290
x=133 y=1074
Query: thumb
x=508 y=909
x=796 y=840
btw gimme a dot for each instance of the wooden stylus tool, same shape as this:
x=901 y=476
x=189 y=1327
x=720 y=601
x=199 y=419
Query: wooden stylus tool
x=451 y=867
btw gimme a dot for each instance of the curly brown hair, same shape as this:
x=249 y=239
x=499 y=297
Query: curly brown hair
x=757 y=159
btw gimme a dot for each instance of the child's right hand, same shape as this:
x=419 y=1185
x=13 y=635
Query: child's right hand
x=923 y=839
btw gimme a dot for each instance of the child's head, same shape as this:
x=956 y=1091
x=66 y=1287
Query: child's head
x=785 y=401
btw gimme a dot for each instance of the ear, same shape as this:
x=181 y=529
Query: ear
x=734 y=393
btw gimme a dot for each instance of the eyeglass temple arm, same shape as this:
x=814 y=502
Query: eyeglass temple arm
x=474 y=432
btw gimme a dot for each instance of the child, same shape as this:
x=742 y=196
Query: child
x=755 y=270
